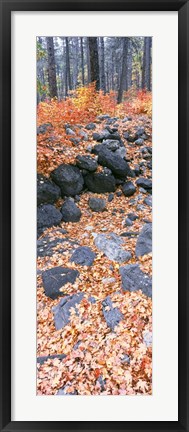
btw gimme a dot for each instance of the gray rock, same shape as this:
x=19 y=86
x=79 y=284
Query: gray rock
x=144 y=183
x=83 y=135
x=125 y=359
x=100 y=182
x=112 y=315
x=70 y=212
x=111 y=248
x=128 y=222
x=121 y=152
x=64 y=392
x=132 y=216
x=118 y=166
x=97 y=204
x=139 y=142
x=47 y=191
x=142 y=190
x=147 y=338
x=48 y=246
x=144 y=242
x=133 y=279
x=56 y=278
x=47 y=216
x=148 y=201
x=83 y=256
x=110 y=197
x=128 y=189
x=43 y=128
x=69 y=178
x=69 y=131
x=111 y=144
x=90 y=126
x=86 y=162
x=107 y=281
x=62 y=310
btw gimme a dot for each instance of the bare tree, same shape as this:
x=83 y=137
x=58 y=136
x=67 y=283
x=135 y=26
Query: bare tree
x=82 y=62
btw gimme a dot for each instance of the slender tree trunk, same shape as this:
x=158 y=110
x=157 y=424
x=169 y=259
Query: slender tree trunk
x=94 y=61
x=88 y=62
x=102 y=62
x=146 y=69
x=124 y=70
x=51 y=68
x=82 y=62
x=68 y=74
x=129 y=66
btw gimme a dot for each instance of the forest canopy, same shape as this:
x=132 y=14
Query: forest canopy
x=114 y=64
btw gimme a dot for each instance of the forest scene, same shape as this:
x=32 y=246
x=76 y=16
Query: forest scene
x=94 y=215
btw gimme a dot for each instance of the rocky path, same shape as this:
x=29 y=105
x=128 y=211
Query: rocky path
x=94 y=267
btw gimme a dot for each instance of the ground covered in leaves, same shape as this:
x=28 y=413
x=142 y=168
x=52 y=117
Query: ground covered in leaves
x=87 y=357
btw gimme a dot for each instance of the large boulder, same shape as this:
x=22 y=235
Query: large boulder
x=70 y=211
x=62 y=310
x=69 y=178
x=111 y=248
x=86 y=162
x=97 y=204
x=100 y=182
x=56 y=278
x=134 y=279
x=110 y=144
x=47 y=191
x=118 y=166
x=47 y=216
x=83 y=256
x=144 y=242
x=111 y=314
x=128 y=188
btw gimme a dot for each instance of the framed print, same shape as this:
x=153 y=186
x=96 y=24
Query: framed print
x=94 y=215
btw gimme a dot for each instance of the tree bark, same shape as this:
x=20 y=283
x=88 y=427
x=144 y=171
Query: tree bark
x=146 y=69
x=124 y=70
x=82 y=62
x=94 y=61
x=102 y=66
x=51 y=68
x=68 y=74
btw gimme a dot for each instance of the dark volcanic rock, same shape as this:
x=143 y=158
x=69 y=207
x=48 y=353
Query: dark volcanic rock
x=148 y=201
x=69 y=178
x=86 y=162
x=47 y=191
x=55 y=278
x=83 y=256
x=97 y=204
x=90 y=126
x=144 y=242
x=100 y=183
x=62 y=310
x=43 y=128
x=128 y=189
x=47 y=216
x=118 y=166
x=110 y=197
x=132 y=216
x=70 y=212
x=144 y=183
x=47 y=246
x=111 y=314
x=133 y=279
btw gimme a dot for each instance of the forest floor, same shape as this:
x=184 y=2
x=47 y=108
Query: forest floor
x=98 y=360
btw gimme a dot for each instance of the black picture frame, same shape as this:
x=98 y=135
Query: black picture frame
x=182 y=6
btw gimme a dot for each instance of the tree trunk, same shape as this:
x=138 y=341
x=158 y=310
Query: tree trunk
x=94 y=62
x=82 y=62
x=88 y=62
x=51 y=68
x=129 y=66
x=146 y=69
x=68 y=74
x=102 y=64
x=124 y=70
